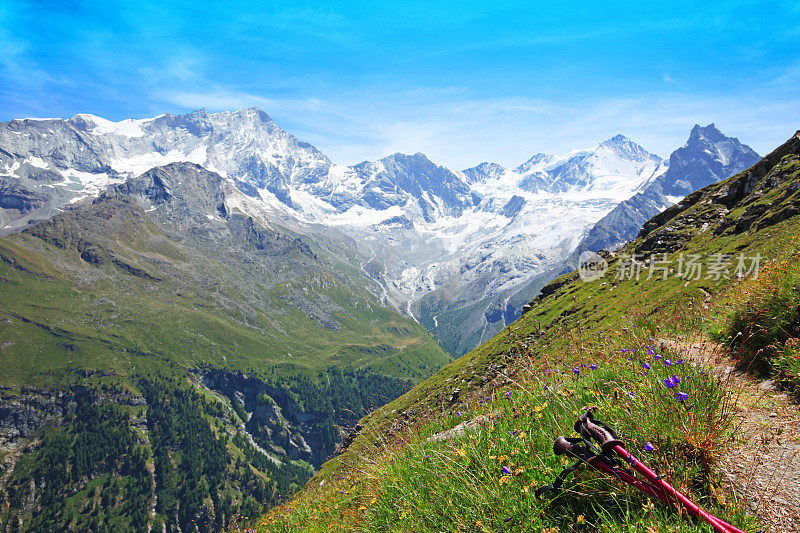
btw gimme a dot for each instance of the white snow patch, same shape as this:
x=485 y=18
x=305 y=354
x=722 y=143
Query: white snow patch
x=674 y=199
x=359 y=215
x=131 y=128
x=37 y=162
x=140 y=164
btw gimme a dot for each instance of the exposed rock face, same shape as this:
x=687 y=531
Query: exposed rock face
x=707 y=157
x=25 y=412
x=277 y=422
x=770 y=185
x=14 y=197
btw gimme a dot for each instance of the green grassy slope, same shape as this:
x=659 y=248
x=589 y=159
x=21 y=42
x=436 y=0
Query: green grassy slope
x=391 y=479
x=181 y=307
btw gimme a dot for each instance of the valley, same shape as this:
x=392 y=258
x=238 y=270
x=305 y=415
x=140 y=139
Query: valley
x=228 y=304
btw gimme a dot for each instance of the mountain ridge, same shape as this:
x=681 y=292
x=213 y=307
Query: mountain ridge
x=471 y=238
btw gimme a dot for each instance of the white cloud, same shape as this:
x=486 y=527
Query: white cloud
x=458 y=131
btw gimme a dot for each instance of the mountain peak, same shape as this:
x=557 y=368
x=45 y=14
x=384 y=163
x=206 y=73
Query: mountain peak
x=710 y=133
x=482 y=172
x=625 y=148
x=618 y=139
x=709 y=156
x=402 y=158
x=534 y=160
x=254 y=111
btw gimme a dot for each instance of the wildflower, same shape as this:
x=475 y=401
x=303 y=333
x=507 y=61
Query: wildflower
x=646 y=365
x=648 y=507
x=682 y=396
x=657 y=356
x=649 y=447
x=593 y=366
x=508 y=394
x=458 y=413
x=462 y=452
x=676 y=380
x=667 y=362
x=581 y=519
x=506 y=470
x=680 y=361
x=668 y=382
x=505 y=479
x=576 y=371
x=512 y=432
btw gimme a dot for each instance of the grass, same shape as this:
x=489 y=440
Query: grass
x=761 y=320
x=58 y=313
x=460 y=484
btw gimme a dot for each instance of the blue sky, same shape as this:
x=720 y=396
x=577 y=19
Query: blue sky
x=460 y=81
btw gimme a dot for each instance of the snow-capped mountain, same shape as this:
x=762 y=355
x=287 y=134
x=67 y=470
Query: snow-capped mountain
x=707 y=157
x=449 y=248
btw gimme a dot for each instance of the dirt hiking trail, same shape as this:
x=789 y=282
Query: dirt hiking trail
x=763 y=467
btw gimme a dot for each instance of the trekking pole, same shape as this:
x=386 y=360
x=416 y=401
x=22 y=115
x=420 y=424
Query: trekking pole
x=570 y=448
x=587 y=427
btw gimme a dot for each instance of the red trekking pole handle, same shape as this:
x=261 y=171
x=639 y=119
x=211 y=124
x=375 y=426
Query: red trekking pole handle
x=609 y=442
x=563 y=446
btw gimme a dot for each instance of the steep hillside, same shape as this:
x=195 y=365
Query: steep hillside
x=605 y=342
x=164 y=348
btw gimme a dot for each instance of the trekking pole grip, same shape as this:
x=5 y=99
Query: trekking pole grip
x=563 y=446
x=604 y=436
